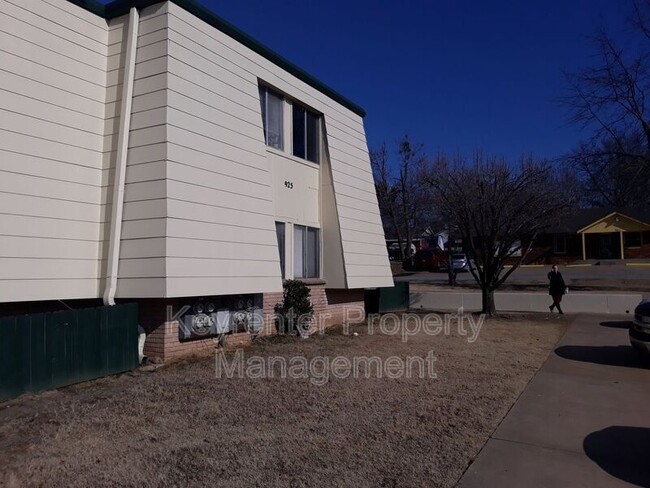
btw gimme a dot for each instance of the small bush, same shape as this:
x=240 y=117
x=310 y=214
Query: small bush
x=295 y=313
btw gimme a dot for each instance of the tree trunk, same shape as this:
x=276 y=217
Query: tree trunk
x=402 y=254
x=451 y=272
x=409 y=243
x=452 y=278
x=488 y=302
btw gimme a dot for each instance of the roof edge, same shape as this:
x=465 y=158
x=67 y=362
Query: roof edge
x=118 y=8
x=580 y=231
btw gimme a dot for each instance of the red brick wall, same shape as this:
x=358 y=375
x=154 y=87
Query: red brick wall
x=542 y=251
x=156 y=318
x=639 y=252
x=331 y=307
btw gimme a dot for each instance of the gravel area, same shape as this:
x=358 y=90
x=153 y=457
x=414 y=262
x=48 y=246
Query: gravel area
x=181 y=426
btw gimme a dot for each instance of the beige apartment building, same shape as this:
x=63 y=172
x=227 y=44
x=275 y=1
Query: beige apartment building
x=151 y=152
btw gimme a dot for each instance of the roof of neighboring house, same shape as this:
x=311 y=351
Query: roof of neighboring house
x=581 y=218
x=118 y=8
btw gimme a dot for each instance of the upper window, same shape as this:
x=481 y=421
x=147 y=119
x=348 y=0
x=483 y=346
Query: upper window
x=306 y=133
x=272 y=117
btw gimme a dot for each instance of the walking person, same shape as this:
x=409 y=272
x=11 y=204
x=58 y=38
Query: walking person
x=556 y=288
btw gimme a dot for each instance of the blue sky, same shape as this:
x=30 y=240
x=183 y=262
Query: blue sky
x=455 y=75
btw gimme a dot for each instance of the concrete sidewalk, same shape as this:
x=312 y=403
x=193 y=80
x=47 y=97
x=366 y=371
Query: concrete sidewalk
x=583 y=420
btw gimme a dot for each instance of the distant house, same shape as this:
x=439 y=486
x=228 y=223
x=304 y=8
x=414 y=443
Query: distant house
x=589 y=234
x=393 y=248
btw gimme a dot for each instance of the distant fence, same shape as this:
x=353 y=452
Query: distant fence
x=50 y=350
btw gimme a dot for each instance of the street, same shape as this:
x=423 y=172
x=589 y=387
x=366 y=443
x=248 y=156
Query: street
x=536 y=275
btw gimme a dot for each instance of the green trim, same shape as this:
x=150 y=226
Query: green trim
x=122 y=7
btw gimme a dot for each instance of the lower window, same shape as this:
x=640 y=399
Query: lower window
x=632 y=239
x=279 y=231
x=306 y=252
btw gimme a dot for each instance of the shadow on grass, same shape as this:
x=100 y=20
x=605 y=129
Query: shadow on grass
x=621 y=451
x=608 y=355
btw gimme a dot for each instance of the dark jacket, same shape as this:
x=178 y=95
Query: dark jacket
x=556 y=285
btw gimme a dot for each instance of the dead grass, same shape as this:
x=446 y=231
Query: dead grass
x=179 y=426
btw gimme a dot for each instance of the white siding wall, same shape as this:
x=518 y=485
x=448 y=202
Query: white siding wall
x=52 y=172
x=332 y=259
x=220 y=208
x=198 y=215
x=362 y=234
x=301 y=202
x=215 y=69
x=142 y=268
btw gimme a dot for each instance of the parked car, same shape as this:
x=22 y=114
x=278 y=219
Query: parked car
x=458 y=263
x=425 y=260
x=640 y=328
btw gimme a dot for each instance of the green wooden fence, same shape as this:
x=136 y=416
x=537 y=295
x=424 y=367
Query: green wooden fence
x=388 y=299
x=50 y=350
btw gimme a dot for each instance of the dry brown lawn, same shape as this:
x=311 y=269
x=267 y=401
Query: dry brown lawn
x=180 y=426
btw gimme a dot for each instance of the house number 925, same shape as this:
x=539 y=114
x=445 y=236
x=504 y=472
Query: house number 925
x=289 y=184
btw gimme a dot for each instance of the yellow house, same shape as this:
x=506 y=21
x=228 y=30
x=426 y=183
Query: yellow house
x=615 y=236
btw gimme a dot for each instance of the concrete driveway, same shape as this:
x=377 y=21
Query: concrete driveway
x=583 y=420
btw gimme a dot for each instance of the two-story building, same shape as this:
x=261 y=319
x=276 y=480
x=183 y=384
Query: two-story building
x=152 y=152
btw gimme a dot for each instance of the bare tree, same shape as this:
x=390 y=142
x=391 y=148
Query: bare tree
x=608 y=177
x=493 y=207
x=387 y=194
x=399 y=186
x=610 y=100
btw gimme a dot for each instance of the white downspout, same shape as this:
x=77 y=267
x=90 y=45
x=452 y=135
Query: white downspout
x=120 y=159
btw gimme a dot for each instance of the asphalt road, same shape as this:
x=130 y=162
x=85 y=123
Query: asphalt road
x=537 y=275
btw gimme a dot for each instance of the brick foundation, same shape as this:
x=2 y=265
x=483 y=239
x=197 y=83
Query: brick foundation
x=331 y=307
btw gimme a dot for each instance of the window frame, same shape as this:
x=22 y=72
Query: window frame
x=311 y=125
x=640 y=241
x=282 y=246
x=305 y=258
x=306 y=132
x=264 y=92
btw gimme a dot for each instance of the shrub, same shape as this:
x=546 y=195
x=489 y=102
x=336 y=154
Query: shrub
x=294 y=314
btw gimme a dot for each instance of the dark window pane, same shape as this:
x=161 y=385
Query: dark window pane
x=313 y=133
x=632 y=239
x=279 y=230
x=312 y=253
x=298 y=131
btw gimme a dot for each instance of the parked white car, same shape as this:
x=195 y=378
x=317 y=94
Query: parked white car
x=458 y=263
x=640 y=328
